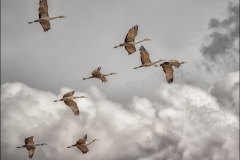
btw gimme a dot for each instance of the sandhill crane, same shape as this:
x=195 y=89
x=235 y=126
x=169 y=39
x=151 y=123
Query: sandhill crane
x=82 y=144
x=96 y=74
x=130 y=42
x=146 y=62
x=68 y=100
x=44 y=18
x=31 y=146
x=174 y=63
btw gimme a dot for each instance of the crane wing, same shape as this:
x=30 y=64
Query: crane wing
x=45 y=25
x=31 y=152
x=144 y=55
x=130 y=49
x=96 y=72
x=103 y=79
x=43 y=9
x=29 y=140
x=85 y=136
x=68 y=94
x=168 y=72
x=81 y=141
x=83 y=148
x=132 y=33
x=73 y=106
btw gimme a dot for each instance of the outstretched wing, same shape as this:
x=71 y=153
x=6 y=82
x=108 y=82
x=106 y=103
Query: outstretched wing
x=96 y=72
x=43 y=12
x=31 y=153
x=68 y=94
x=132 y=33
x=81 y=141
x=45 y=25
x=83 y=148
x=130 y=49
x=73 y=106
x=43 y=9
x=29 y=140
x=103 y=79
x=144 y=55
x=168 y=72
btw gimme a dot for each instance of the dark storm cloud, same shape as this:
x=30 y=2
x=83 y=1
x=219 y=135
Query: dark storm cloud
x=223 y=44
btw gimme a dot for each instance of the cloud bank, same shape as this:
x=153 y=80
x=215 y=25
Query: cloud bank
x=223 y=49
x=184 y=123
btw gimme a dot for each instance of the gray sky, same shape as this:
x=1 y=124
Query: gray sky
x=157 y=119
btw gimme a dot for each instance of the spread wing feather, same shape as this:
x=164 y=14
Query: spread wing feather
x=31 y=152
x=68 y=94
x=73 y=106
x=132 y=33
x=43 y=9
x=168 y=72
x=29 y=140
x=144 y=55
x=83 y=148
x=96 y=72
x=103 y=79
x=45 y=25
x=130 y=49
x=81 y=141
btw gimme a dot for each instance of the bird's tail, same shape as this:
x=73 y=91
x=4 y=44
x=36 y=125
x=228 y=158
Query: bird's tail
x=71 y=146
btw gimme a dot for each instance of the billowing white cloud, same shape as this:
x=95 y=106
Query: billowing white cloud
x=227 y=92
x=184 y=123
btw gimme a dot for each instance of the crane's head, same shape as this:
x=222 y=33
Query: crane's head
x=113 y=73
x=85 y=137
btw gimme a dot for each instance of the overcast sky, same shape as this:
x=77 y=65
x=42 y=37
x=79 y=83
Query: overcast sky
x=136 y=114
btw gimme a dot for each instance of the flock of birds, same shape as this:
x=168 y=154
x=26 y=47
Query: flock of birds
x=68 y=98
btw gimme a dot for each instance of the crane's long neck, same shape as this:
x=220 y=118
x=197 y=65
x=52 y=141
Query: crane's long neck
x=183 y=62
x=139 y=41
x=156 y=62
x=107 y=74
x=51 y=18
x=90 y=142
x=39 y=144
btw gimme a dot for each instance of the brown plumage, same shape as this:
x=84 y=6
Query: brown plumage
x=43 y=16
x=30 y=146
x=68 y=100
x=167 y=68
x=96 y=74
x=175 y=63
x=82 y=144
x=129 y=41
x=146 y=62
